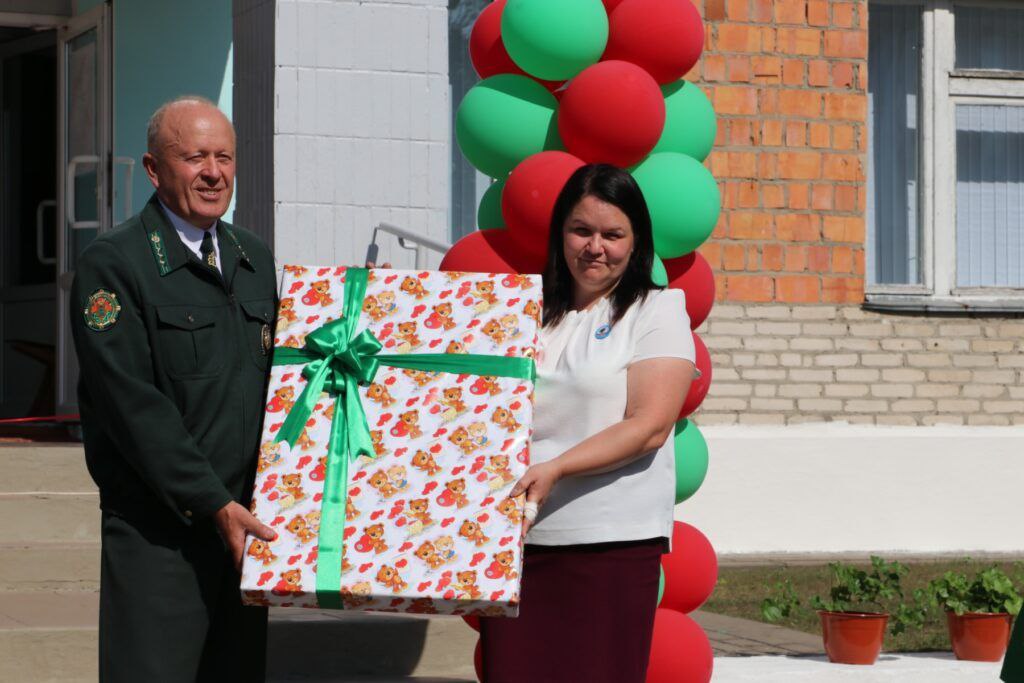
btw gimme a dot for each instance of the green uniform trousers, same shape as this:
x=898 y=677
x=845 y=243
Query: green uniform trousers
x=1013 y=665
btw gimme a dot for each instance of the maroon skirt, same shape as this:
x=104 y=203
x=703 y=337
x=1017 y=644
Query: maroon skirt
x=586 y=615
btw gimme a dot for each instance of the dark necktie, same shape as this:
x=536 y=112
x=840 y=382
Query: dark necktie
x=206 y=249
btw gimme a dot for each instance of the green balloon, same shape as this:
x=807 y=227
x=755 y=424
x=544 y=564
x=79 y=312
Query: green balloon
x=504 y=119
x=689 y=121
x=661 y=584
x=488 y=214
x=683 y=199
x=554 y=39
x=658 y=273
x=691 y=459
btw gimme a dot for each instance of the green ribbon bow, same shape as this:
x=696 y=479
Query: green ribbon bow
x=338 y=361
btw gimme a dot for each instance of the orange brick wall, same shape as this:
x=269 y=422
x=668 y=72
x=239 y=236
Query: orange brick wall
x=787 y=79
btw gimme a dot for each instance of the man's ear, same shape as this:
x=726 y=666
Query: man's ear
x=149 y=163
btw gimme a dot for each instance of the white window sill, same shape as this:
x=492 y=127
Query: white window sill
x=928 y=303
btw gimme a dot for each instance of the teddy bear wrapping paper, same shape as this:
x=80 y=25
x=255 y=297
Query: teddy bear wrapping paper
x=415 y=516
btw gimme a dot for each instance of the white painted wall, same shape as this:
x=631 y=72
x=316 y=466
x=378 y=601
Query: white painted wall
x=837 y=488
x=361 y=126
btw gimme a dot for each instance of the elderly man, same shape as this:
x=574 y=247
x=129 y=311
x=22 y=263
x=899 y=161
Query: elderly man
x=171 y=314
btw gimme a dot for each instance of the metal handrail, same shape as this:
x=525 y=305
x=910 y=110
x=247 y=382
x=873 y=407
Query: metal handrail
x=421 y=242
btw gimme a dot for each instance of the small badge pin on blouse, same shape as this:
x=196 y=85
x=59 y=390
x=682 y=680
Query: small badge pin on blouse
x=603 y=331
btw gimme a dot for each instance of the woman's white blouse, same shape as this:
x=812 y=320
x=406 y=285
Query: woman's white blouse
x=581 y=390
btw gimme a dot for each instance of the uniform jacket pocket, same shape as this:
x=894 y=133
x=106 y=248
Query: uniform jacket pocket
x=187 y=339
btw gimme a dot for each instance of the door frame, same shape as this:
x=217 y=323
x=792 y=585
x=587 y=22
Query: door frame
x=98 y=18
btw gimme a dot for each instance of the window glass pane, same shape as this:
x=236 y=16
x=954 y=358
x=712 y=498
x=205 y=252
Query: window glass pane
x=894 y=51
x=468 y=184
x=989 y=37
x=989 y=195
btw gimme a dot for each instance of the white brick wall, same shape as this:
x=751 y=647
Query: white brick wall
x=361 y=126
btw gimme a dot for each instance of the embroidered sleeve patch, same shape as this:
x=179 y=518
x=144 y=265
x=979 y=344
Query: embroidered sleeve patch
x=101 y=310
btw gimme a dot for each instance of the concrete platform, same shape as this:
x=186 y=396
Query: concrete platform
x=931 y=667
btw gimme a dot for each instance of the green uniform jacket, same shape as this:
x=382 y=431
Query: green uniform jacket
x=173 y=366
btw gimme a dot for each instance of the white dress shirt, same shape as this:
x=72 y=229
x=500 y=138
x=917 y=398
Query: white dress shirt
x=581 y=390
x=192 y=236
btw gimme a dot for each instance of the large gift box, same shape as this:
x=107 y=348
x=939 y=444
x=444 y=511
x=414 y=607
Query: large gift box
x=397 y=420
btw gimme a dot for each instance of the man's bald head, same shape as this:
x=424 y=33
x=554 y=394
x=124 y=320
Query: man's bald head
x=191 y=159
x=165 y=117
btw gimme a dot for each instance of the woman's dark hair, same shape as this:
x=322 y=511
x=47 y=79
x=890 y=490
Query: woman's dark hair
x=617 y=187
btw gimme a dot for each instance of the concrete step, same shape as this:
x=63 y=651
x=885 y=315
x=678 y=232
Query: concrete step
x=52 y=637
x=50 y=567
x=42 y=468
x=31 y=518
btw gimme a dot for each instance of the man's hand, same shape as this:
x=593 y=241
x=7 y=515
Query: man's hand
x=234 y=522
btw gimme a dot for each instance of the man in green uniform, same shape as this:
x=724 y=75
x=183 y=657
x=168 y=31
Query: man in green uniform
x=171 y=314
x=1013 y=663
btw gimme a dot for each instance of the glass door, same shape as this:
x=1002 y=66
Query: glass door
x=85 y=198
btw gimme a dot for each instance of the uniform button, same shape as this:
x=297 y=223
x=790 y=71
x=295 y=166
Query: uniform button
x=190 y=318
x=188 y=513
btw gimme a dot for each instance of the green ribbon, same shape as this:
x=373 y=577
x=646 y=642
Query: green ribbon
x=337 y=361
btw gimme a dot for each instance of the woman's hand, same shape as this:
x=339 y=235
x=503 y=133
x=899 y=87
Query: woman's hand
x=537 y=484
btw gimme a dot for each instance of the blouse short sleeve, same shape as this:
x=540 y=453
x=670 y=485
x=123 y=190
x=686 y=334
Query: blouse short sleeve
x=663 y=328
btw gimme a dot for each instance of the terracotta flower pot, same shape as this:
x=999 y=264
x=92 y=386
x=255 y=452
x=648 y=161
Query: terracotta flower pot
x=853 y=637
x=979 y=637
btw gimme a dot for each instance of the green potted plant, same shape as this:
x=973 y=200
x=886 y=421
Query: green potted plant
x=860 y=604
x=979 y=611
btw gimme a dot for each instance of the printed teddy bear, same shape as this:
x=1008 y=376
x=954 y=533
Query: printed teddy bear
x=300 y=529
x=503 y=417
x=380 y=481
x=499 y=466
x=461 y=438
x=428 y=553
x=501 y=566
x=286 y=314
x=532 y=310
x=378 y=393
x=283 y=400
x=493 y=329
x=388 y=577
x=270 y=455
x=440 y=317
x=289 y=583
x=260 y=551
x=408 y=339
x=424 y=461
x=471 y=531
x=465 y=583
x=290 y=488
x=372 y=539
x=453 y=494
x=414 y=287
x=451 y=399
x=511 y=511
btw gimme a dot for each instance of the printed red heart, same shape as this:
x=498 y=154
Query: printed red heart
x=447 y=521
x=396 y=509
x=390 y=380
x=376 y=514
x=486 y=501
x=431 y=485
x=505 y=541
x=275 y=427
x=322 y=271
x=440 y=432
x=417 y=310
x=310 y=422
x=468 y=339
x=478 y=463
x=269 y=483
x=389 y=279
x=423 y=275
x=462 y=378
x=354 y=491
x=264 y=577
x=520 y=389
x=480 y=408
x=277 y=520
x=400 y=522
x=339 y=270
x=463 y=289
x=317 y=497
x=482 y=476
x=516 y=405
x=468 y=301
x=318 y=406
x=296 y=286
x=311 y=558
x=435 y=409
x=477 y=559
x=523 y=456
x=423 y=586
x=495 y=595
x=473 y=323
x=305 y=460
x=287 y=376
x=272 y=496
x=411 y=402
x=484 y=518
x=405 y=546
x=359 y=475
x=384 y=419
x=312 y=319
x=401 y=563
x=456 y=470
x=506 y=444
x=445 y=579
x=435 y=449
x=294 y=558
x=512 y=302
x=449 y=595
x=434 y=343
x=444 y=294
x=349 y=530
x=390 y=343
x=399 y=452
x=364 y=567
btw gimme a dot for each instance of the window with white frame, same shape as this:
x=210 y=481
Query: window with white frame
x=946 y=154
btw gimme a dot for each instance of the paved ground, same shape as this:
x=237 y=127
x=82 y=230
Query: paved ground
x=938 y=667
x=734 y=637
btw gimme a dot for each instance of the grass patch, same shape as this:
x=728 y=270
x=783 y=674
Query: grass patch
x=740 y=590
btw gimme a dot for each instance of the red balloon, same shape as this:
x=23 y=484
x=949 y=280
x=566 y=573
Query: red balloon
x=478 y=660
x=680 y=651
x=528 y=199
x=609 y=5
x=700 y=385
x=691 y=569
x=664 y=37
x=692 y=274
x=487 y=50
x=491 y=251
x=612 y=112
x=473 y=621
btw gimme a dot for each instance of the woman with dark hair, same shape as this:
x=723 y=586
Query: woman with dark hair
x=615 y=364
